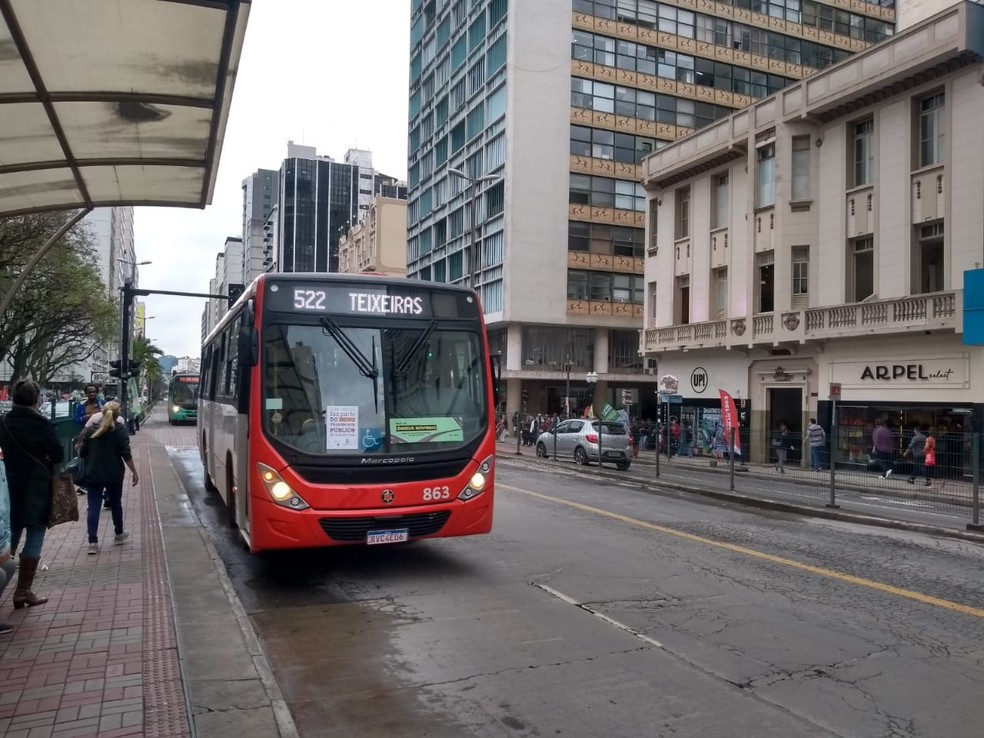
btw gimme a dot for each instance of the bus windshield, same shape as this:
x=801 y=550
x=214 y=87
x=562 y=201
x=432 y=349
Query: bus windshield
x=184 y=391
x=336 y=390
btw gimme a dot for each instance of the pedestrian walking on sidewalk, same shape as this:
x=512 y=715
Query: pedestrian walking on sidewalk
x=917 y=452
x=106 y=450
x=883 y=448
x=89 y=407
x=7 y=567
x=30 y=451
x=782 y=442
x=818 y=439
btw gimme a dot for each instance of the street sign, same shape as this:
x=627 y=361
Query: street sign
x=835 y=391
x=628 y=396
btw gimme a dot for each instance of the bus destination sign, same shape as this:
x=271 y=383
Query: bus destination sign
x=188 y=380
x=359 y=299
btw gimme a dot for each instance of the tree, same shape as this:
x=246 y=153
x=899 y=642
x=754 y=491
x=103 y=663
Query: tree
x=146 y=354
x=62 y=313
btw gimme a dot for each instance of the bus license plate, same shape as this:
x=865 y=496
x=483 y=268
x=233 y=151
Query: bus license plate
x=375 y=537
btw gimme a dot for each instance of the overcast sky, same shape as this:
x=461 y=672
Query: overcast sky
x=326 y=73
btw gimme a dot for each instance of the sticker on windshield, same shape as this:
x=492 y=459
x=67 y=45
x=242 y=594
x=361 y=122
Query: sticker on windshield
x=425 y=430
x=343 y=427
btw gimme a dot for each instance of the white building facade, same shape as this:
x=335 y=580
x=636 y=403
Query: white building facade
x=814 y=245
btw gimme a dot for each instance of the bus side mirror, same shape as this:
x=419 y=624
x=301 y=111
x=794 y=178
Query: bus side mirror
x=496 y=361
x=248 y=348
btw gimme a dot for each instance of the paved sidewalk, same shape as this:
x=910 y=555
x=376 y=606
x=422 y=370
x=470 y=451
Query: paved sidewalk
x=104 y=656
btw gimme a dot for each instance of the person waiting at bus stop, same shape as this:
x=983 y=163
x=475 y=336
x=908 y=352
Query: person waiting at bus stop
x=92 y=405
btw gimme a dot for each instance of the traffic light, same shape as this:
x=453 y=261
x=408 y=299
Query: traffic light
x=234 y=291
x=525 y=395
x=116 y=371
x=133 y=367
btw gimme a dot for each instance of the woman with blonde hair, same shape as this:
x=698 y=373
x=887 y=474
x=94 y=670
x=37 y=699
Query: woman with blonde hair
x=106 y=449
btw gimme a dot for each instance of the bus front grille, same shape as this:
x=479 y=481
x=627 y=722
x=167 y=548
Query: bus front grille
x=352 y=530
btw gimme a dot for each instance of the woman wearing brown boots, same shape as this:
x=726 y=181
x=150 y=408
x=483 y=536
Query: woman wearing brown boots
x=30 y=452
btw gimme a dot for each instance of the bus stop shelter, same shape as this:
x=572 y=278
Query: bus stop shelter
x=113 y=102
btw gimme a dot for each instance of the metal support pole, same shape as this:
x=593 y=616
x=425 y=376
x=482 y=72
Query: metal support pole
x=127 y=303
x=731 y=462
x=832 y=502
x=601 y=453
x=519 y=429
x=555 y=439
x=975 y=514
x=473 y=191
x=657 y=448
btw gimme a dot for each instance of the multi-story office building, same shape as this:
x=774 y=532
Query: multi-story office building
x=379 y=242
x=260 y=192
x=814 y=246
x=319 y=200
x=541 y=139
x=227 y=272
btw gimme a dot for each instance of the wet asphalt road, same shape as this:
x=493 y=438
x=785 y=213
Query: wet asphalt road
x=600 y=610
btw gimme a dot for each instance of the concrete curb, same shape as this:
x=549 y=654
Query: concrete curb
x=764 y=503
x=219 y=704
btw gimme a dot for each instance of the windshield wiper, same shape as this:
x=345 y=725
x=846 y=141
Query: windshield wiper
x=401 y=368
x=367 y=368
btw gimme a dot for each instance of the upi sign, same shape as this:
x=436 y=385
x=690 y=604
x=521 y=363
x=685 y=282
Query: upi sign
x=698 y=380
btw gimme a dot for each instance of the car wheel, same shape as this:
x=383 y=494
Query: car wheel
x=541 y=451
x=622 y=464
x=580 y=457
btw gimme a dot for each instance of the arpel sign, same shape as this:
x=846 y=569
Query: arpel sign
x=914 y=372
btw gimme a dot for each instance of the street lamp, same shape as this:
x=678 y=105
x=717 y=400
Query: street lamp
x=568 y=365
x=473 y=183
x=592 y=379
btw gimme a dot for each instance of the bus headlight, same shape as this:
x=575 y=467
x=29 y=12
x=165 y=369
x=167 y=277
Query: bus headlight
x=175 y=410
x=476 y=485
x=280 y=492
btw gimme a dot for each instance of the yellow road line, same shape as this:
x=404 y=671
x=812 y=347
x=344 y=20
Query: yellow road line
x=818 y=570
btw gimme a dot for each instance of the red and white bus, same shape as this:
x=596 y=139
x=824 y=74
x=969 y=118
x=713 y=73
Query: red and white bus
x=342 y=409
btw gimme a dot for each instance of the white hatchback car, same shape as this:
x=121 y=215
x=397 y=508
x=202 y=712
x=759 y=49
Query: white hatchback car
x=581 y=440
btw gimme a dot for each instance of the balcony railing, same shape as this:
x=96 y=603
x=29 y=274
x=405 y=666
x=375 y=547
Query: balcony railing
x=936 y=311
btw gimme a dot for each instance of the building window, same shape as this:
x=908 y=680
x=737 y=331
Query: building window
x=653 y=221
x=719 y=281
x=928 y=260
x=722 y=194
x=652 y=301
x=766 y=287
x=864 y=153
x=801 y=277
x=681 y=301
x=682 y=228
x=766 y=194
x=861 y=279
x=801 y=168
x=931 y=110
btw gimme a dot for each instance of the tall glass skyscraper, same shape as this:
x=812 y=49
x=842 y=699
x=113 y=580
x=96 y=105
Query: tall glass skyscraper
x=533 y=117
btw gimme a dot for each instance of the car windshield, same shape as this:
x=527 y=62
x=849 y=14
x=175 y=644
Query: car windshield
x=336 y=390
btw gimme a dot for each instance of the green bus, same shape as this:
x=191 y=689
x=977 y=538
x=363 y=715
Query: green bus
x=182 y=399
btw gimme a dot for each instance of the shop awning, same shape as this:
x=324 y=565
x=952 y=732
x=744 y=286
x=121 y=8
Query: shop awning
x=114 y=102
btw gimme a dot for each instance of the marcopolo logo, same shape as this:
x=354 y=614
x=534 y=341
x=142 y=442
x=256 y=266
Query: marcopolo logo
x=699 y=380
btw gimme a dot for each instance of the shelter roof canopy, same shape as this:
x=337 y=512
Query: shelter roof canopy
x=114 y=102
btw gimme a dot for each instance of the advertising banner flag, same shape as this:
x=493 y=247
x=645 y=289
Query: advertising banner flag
x=729 y=419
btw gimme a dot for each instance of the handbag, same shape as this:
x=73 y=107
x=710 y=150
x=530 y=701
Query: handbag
x=76 y=470
x=64 y=503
